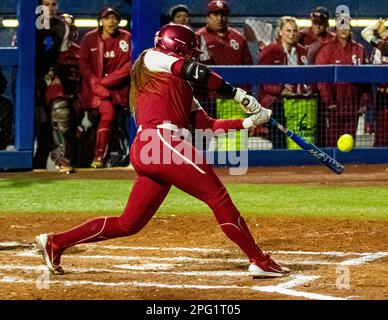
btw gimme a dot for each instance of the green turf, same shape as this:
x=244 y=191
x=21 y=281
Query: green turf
x=110 y=196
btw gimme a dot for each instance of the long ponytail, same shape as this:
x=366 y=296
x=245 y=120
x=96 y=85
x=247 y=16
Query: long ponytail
x=143 y=80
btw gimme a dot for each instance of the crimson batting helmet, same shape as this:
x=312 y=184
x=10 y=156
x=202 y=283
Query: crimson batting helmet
x=177 y=38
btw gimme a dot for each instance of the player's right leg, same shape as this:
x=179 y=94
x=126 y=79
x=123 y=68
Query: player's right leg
x=145 y=198
x=191 y=174
x=61 y=123
x=107 y=113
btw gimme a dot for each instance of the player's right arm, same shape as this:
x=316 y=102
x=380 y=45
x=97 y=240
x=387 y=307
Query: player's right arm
x=195 y=72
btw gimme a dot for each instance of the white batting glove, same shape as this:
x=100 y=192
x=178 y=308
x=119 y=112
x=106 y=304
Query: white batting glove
x=257 y=119
x=248 y=103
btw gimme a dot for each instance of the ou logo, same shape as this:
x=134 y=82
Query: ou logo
x=356 y=61
x=234 y=44
x=109 y=54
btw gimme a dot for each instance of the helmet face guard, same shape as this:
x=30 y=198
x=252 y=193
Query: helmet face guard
x=178 y=39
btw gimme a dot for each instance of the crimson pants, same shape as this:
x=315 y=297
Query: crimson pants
x=162 y=160
x=107 y=113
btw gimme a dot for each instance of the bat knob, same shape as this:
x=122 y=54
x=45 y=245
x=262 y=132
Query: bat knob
x=245 y=102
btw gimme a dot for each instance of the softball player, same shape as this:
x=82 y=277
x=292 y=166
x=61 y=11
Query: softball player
x=163 y=104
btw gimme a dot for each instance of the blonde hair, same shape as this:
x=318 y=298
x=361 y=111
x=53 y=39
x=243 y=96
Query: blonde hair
x=143 y=80
x=283 y=21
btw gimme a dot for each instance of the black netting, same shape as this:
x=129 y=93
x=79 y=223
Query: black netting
x=6 y=108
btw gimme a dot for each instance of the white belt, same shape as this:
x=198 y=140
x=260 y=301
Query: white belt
x=169 y=126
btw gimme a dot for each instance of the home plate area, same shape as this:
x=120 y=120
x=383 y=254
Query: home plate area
x=98 y=271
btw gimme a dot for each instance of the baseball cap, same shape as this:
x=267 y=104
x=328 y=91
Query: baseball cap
x=320 y=15
x=217 y=6
x=178 y=8
x=108 y=10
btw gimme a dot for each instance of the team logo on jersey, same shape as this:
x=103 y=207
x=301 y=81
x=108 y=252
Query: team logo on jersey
x=234 y=44
x=356 y=60
x=124 y=46
x=109 y=54
x=304 y=59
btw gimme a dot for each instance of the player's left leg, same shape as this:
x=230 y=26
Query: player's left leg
x=145 y=198
x=61 y=119
x=199 y=180
x=107 y=113
x=61 y=123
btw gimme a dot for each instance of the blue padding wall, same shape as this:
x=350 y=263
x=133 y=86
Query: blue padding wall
x=303 y=74
x=359 y=8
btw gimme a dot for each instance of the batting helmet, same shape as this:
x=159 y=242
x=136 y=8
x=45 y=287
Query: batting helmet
x=179 y=39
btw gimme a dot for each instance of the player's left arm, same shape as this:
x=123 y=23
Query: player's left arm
x=201 y=120
x=201 y=74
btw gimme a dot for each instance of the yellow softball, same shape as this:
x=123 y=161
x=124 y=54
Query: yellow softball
x=345 y=143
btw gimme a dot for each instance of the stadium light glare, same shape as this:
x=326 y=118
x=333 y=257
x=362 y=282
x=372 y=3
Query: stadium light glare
x=304 y=23
x=80 y=23
x=10 y=23
x=92 y=23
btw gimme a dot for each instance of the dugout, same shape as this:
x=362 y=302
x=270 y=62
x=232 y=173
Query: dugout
x=144 y=17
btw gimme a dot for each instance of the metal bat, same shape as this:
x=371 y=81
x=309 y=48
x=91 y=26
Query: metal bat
x=310 y=148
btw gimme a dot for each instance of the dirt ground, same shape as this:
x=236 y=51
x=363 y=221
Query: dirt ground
x=185 y=257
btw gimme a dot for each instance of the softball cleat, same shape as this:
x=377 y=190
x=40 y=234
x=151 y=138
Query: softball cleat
x=44 y=245
x=267 y=268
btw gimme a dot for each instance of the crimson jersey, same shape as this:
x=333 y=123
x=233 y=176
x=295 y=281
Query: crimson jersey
x=173 y=101
x=343 y=94
x=229 y=49
x=275 y=54
x=313 y=42
x=377 y=57
x=66 y=68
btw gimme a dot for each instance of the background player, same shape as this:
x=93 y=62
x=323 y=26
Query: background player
x=57 y=87
x=163 y=104
x=105 y=62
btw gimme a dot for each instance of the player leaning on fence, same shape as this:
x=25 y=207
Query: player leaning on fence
x=283 y=51
x=344 y=102
x=377 y=36
x=164 y=107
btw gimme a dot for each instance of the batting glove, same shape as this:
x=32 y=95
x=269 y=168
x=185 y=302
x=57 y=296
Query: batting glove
x=248 y=103
x=257 y=119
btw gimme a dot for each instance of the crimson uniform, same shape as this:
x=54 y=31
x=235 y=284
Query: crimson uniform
x=67 y=71
x=380 y=56
x=313 y=42
x=105 y=65
x=229 y=49
x=58 y=83
x=160 y=111
x=348 y=97
x=276 y=54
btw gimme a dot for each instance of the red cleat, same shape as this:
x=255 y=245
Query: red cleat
x=51 y=255
x=267 y=268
